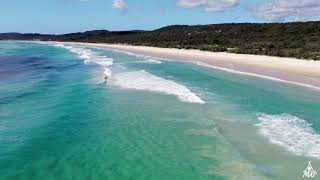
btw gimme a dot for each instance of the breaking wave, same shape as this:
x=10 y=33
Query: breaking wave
x=150 y=59
x=153 y=61
x=147 y=61
x=138 y=80
x=142 y=80
x=90 y=56
x=290 y=132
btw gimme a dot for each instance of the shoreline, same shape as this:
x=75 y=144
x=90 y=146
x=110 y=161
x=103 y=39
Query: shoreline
x=305 y=73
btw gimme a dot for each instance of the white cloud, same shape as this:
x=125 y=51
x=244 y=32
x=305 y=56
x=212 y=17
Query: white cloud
x=119 y=4
x=288 y=10
x=208 y=5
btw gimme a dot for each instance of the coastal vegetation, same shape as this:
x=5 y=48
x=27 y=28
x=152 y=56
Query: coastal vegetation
x=295 y=39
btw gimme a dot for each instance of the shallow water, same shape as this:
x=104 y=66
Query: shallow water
x=72 y=112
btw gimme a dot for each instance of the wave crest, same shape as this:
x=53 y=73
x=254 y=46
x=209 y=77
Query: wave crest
x=90 y=56
x=142 y=80
x=290 y=132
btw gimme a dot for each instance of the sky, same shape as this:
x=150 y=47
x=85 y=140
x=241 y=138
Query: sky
x=66 y=16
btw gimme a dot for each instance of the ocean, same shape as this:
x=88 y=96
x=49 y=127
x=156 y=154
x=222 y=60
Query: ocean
x=74 y=112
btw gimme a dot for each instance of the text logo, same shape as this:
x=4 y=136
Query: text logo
x=309 y=172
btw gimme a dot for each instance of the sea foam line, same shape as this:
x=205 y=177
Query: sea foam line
x=256 y=75
x=148 y=61
x=136 y=55
x=294 y=134
x=139 y=80
x=228 y=70
x=90 y=57
x=142 y=80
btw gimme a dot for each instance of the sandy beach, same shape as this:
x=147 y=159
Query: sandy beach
x=288 y=70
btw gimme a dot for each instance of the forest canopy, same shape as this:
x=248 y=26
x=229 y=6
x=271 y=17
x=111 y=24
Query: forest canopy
x=296 y=39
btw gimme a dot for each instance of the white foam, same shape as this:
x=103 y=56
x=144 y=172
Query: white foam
x=256 y=75
x=153 y=61
x=136 y=55
x=59 y=45
x=107 y=73
x=148 y=61
x=90 y=56
x=294 y=134
x=126 y=52
x=142 y=80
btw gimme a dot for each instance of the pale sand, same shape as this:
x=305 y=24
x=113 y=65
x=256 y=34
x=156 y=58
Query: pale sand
x=288 y=70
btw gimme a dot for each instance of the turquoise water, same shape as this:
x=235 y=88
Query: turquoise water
x=72 y=112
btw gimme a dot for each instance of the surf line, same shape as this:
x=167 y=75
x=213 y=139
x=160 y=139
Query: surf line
x=226 y=69
x=255 y=75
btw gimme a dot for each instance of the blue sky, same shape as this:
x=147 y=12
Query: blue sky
x=64 y=16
